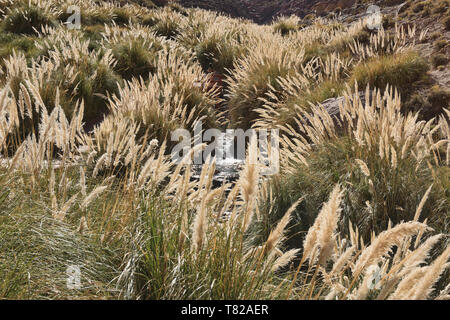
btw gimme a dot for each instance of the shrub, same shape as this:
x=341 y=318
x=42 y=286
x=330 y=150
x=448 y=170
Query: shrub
x=419 y=6
x=446 y=22
x=441 y=7
x=440 y=44
x=439 y=99
x=439 y=59
x=399 y=70
x=27 y=19
x=286 y=25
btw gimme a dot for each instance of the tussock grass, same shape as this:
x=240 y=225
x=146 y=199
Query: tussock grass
x=27 y=19
x=379 y=168
x=255 y=76
x=399 y=70
x=135 y=59
x=286 y=25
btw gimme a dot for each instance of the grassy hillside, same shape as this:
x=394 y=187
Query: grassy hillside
x=87 y=180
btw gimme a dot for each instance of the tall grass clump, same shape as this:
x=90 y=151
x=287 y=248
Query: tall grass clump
x=218 y=41
x=27 y=19
x=169 y=23
x=219 y=51
x=186 y=253
x=169 y=100
x=318 y=81
x=93 y=79
x=256 y=75
x=37 y=250
x=135 y=59
x=286 y=25
x=387 y=160
x=399 y=70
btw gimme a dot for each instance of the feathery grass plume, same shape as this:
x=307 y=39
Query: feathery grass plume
x=276 y=235
x=363 y=167
x=114 y=143
x=424 y=286
x=420 y=255
x=342 y=261
x=321 y=235
x=83 y=227
x=255 y=74
x=383 y=243
x=93 y=195
x=200 y=227
x=364 y=287
x=422 y=203
x=83 y=181
x=249 y=182
x=178 y=105
x=285 y=259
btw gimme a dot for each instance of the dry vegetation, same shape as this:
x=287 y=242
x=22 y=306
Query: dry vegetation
x=86 y=176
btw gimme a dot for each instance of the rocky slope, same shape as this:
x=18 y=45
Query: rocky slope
x=263 y=11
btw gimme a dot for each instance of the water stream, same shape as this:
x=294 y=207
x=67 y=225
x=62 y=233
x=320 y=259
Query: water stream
x=227 y=168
